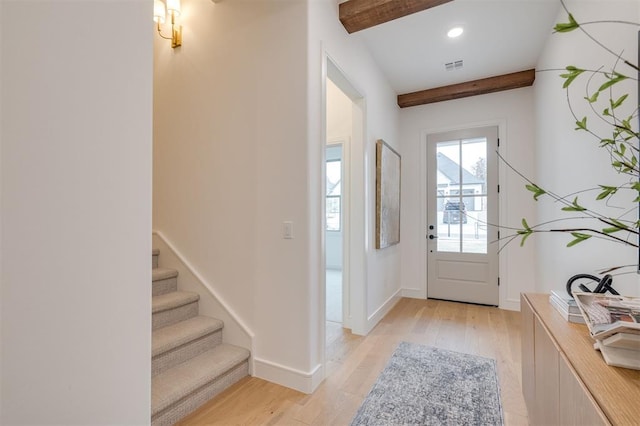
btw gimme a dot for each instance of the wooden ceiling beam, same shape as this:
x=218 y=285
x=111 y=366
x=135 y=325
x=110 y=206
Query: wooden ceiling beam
x=357 y=15
x=470 y=88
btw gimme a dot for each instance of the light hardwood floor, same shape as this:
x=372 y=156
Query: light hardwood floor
x=354 y=363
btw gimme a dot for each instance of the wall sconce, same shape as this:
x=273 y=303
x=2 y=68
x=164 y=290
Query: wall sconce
x=159 y=16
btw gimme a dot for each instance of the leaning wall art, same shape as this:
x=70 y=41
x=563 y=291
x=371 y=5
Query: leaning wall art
x=387 y=195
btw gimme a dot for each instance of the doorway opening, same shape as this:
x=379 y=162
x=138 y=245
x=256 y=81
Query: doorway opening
x=334 y=231
x=339 y=128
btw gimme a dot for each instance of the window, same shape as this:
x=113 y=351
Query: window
x=462 y=196
x=334 y=195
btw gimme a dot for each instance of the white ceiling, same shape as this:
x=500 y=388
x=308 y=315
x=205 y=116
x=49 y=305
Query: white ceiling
x=500 y=37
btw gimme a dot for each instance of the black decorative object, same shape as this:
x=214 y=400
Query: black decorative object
x=603 y=285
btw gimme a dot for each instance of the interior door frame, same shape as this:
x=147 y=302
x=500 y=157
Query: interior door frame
x=503 y=255
x=354 y=238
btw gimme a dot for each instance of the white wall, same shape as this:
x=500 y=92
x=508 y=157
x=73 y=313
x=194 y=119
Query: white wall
x=380 y=269
x=339 y=114
x=76 y=212
x=512 y=111
x=230 y=165
x=568 y=160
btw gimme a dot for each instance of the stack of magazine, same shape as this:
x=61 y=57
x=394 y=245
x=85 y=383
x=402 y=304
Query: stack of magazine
x=614 y=323
x=567 y=306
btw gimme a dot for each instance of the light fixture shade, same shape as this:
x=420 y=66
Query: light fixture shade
x=173 y=6
x=159 y=12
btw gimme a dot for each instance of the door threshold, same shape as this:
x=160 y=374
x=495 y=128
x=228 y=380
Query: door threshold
x=460 y=301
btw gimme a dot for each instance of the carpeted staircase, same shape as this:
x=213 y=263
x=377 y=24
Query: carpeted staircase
x=189 y=364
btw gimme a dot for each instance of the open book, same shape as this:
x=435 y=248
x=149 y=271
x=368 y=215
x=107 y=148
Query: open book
x=607 y=314
x=614 y=322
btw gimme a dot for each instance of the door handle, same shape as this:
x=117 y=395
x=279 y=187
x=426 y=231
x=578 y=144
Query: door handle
x=432 y=237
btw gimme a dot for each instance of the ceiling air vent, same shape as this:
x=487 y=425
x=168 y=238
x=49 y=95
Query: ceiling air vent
x=451 y=66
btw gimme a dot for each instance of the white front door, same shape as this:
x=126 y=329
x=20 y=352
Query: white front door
x=462 y=206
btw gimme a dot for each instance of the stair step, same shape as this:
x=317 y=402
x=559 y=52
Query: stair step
x=171 y=308
x=163 y=281
x=177 y=343
x=181 y=389
x=155 y=253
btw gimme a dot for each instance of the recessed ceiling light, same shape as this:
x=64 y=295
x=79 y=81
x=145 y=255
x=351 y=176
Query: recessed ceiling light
x=455 y=32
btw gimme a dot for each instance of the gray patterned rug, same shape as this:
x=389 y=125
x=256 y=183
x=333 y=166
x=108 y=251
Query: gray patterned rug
x=423 y=385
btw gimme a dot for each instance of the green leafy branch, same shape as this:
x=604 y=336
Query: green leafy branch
x=613 y=110
x=611 y=225
x=622 y=150
x=572 y=25
x=579 y=234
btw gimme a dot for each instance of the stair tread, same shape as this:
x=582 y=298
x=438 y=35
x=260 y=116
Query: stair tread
x=173 y=336
x=174 y=384
x=163 y=274
x=155 y=252
x=173 y=300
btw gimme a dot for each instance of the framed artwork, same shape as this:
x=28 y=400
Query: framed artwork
x=387 y=195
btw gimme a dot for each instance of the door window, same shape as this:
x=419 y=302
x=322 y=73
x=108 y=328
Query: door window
x=334 y=194
x=462 y=195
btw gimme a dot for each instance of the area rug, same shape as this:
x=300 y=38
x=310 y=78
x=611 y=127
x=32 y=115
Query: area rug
x=422 y=385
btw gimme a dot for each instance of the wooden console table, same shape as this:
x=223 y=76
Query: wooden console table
x=564 y=380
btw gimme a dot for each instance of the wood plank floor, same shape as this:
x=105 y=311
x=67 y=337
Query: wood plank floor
x=354 y=363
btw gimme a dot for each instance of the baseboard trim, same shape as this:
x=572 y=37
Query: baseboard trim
x=510 y=305
x=413 y=293
x=383 y=310
x=302 y=381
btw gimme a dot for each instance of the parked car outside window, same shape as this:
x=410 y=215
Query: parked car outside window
x=454 y=211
